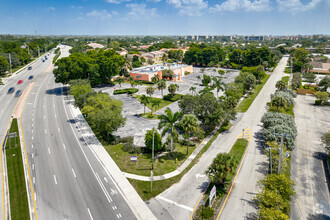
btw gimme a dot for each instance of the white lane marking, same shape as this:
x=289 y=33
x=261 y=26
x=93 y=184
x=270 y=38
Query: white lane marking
x=55 y=116
x=103 y=188
x=45 y=131
x=175 y=203
x=32 y=166
x=74 y=173
x=119 y=215
x=105 y=179
x=64 y=146
x=59 y=130
x=34 y=180
x=48 y=151
x=32 y=130
x=32 y=155
x=55 y=179
x=90 y=214
x=32 y=146
x=44 y=105
x=44 y=116
x=32 y=137
x=114 y=207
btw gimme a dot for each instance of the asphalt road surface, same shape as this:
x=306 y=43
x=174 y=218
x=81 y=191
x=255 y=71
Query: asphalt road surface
x=68 y=181
x=179 y=200
x=308 y=166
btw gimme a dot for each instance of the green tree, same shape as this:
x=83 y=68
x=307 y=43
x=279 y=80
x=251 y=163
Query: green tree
x=189 y=124
x=145 y=100
x=4 y=65
x=169 y=123
x=161 y=86
x=193 y=90
x=219 y=85
x=150 y=90
x=223 y=165
x=187 y=104
x=323 y=96
x=272 y=214
x=265 y=65
x=280 y=85
x=250 y=81
x=154 y=104
x=326 y=141
x=278 y=102
x=77 y=90
x=221 y=72
x=103 y=114
x=206 y=80
x=173 y=88
x=324 y=84
x=120 y=81
x=157 y=140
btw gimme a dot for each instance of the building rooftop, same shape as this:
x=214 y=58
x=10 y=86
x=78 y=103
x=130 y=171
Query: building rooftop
x=152 y=69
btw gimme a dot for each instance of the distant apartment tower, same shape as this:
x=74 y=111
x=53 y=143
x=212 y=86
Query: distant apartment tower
x=247 y=38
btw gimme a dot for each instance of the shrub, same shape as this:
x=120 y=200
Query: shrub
x=286 y=95
x=124 y=91
x=207 y=212
x=172 y=98
x=131 y=148
x=318 y=102
x=157 y=141
x=184 y=142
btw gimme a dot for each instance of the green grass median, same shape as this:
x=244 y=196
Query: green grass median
x=19 y=206
x=245 y=104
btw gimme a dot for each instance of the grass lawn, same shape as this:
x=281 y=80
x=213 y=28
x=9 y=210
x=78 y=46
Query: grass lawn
x=143 y=187
x=19 y=207
x=288 y=110
x=245 y=104
x=162 y=165
x=237 y=150
x=163 y=103
x=148 y=115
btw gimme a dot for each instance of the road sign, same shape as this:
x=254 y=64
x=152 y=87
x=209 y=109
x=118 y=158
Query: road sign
x=10 y=135
x=133 y=158
x=203 y=203
x=212 y=194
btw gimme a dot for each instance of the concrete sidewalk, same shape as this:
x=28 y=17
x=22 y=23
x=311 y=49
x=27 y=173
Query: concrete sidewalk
x=132 y=198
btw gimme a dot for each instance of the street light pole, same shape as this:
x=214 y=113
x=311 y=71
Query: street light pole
x=11 y=70
x=38 y=52
x=280 y=156
x=153 y=145
x=270 y=160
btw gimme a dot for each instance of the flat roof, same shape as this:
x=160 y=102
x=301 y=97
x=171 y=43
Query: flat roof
x=152 y=69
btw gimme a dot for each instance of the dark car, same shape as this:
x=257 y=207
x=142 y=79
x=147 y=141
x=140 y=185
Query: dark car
x=18 y=93
x=43 y=60
x=20 y=82
x=31 y=77
x=11 y=90
x=30 y=68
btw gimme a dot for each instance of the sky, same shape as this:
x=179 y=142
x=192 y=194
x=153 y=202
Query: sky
x=165 y=17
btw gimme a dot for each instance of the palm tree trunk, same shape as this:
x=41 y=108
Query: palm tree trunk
x=187 y=143
x=144 y=108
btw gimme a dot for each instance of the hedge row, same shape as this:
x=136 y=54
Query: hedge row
x=124 y=91
x=172 y=98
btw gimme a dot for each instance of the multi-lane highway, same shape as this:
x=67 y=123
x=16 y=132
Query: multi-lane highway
x=68 y=180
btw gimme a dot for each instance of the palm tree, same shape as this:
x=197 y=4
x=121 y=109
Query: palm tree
x=150 y=90
x=189 y=124
x=193 y=90
x=169 y=123
x=145 y=100
x=280 y=85
x=120 y=81
x=219 y=85
x=161 y=86
x=279 y=102
x=154 y=103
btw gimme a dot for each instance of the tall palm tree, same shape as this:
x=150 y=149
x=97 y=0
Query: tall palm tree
x=169 y=123
x=189 y=124
x=150 y=90
x=145 y=100
x=161 y=86
x=219 y=85
x=279 y=102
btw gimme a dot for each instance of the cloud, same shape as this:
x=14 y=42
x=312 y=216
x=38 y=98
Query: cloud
x=242 y=5
x=296 y=5
x=189 y=7
x=153 y=1
x=103 y=14
x=117 y=1
x=141 y=11
x=51 y=9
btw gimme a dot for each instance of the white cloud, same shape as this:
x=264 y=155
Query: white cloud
x=103 y=14
x=189 y=7
x=296 y=5
x=141 y=11
x=153 y=1
x=117 y=1
x=51 y=9
x=242 y=5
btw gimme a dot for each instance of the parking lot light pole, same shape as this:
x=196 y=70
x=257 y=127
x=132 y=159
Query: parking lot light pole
x=153 y=145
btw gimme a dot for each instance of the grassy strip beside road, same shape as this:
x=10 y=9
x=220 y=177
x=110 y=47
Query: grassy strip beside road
x=143 y=187
x=247 y=101
x=162 y=103
x=55 y=58
x=19 y=206
x=237 y=151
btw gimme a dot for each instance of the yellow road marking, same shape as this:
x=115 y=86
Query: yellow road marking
x=27 y=160
x=239 y=168
x=192 y=213
x=3 y=195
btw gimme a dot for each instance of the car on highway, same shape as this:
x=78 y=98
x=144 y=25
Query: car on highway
x=30 y=68
x=11 y=90
x=20 y=82
x=43 y=60
x=18 y=93
x=31 y=77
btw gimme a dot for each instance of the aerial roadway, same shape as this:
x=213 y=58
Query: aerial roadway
x=68 y=180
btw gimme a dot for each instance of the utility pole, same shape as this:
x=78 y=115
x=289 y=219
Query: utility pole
x=11 y=70
x=291 y=65
x=38 y=52
x=28 y=50
x=281 y=150
x=153 y=145
x=270 y=160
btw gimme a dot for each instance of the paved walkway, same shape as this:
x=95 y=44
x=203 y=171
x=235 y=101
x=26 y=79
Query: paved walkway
x=132 y=198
